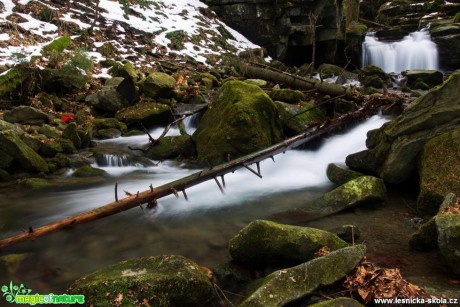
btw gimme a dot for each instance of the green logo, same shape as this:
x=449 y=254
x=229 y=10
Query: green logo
x=21 y=295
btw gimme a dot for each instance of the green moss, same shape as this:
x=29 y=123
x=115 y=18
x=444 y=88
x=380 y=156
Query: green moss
x=171 y=147
x=287 y=285
x=439 y=176
x=26 y=158
x=88 y=171
x=157 y=85
x=146 y=113
x=287 y=95
x=156 y=281
x=36 y=183
x=14 y=78
x=58 y=45
x=241 y=120
x=264 y=242
x=456 y=18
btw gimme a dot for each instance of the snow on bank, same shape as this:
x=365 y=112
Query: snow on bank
x=159 y=18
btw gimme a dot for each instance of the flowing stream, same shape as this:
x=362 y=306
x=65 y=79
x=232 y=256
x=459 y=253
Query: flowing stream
x=415 y=51
x=199 y=228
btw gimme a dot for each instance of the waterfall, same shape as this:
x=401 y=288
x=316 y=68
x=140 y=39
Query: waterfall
x=415 y=51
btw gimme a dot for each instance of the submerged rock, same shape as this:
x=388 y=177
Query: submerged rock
x=241 y=120
x=287 y=285
x=151 y=281
x=89 y=171
x=269 y=243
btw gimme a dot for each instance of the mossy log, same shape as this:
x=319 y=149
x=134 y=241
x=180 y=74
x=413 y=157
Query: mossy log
x=151 y=195
x=294 y=81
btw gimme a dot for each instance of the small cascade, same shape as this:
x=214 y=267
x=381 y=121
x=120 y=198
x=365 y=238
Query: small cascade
x=111 y=160
x=415 y=51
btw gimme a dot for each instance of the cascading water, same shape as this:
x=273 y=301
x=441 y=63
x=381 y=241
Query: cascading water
x=415 y=51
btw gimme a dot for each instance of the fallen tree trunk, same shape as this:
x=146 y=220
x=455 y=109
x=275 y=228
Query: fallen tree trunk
x=265 y=73
x=150 y=196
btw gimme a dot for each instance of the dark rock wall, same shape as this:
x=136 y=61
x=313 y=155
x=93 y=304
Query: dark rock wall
x=283 y=27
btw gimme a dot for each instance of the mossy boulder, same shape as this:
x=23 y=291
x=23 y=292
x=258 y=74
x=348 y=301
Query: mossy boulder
x=26 y=115
x=24 y=157
x=50 y=148
x=148 y=114
x=327 y=70
x=429 y=77
x=109 y=123
x=171 y=147
x=89 y=171
x=157 y=85
x=448 y=227
x=398 y=144
x=373 y=76
x=439 y=176
x=362 y=190
x=152 y=281
x=287 y=95
x=36 y=183
x=14 y=79
x=268 y=243
x=340 y=174
x=296 y=117
x=288 y=285
x=68 y=79
x=126 y=70
x=110 y=133
x=241 y=120
x=109 y=98
x=71 y=133
x=338 y=302
x=16 y=128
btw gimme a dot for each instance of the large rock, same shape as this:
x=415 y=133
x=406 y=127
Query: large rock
x=171 y=147
x=241 y=120
x=394 y=150
x=150 y=281
x=362 y=190
x=269 y=243
x=287 y=285
x=26 y=115
x=339 y=174
x=60 y=81
x=448 y=227
x=24 y=157
x=116 y=94
x=145 y=113
x=157 y=85
x=430 y=77
x=439 y=176
x=15 y=80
